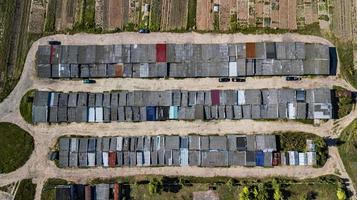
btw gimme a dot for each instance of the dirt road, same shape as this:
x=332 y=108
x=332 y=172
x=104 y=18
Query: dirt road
x=40 y=168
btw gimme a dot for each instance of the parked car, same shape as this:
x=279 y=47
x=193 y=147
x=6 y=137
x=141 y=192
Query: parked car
x=237 y=79
x=224 y=79
x=54 y=42
x=144 y=30
x=293 y=78
x=88 y=81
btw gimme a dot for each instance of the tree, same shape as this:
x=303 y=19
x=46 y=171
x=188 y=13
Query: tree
x=260 y=192
x=341 y=194
x=244 y=195
x=230 y=184
x=154 y=186
x=277 y=192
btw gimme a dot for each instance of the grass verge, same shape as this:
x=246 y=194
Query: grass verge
x=26 y=191
x=16 y=146
x=348 y=150
x=345 y=54
x=26 y=106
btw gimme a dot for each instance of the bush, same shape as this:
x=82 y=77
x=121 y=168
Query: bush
x=16 y=147
x=277 y=192
x=154 y=186
x=340 y=192
x=244 y=194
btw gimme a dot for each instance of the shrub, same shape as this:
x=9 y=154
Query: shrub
x=244 y=194
x=277 y=192
x=154 y=186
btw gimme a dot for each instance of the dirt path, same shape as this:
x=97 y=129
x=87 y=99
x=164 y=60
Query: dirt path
x=40 y=168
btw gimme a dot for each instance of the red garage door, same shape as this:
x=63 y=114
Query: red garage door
x=160 y=52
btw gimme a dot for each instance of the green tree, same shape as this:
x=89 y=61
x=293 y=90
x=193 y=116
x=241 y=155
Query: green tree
x=230 y=184
x=154 y=186
x=244 y=195
x=277 y=192
x=260 y=192
x=341 y=194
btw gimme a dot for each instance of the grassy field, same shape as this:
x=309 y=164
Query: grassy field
x=16 y=146
x=26 y=191
x=26 y=106
x=48 y=190
x=296 y=141
x=348 y=150
x=16 y=43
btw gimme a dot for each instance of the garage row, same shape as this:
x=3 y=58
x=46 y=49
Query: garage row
x=185 y=60
x=136 y=106
x=192 y=150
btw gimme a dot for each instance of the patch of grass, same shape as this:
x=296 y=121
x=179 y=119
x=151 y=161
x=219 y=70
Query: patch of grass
x=50 y=23
x=26 y=191
x=16 y=146
x=324 y=17
x=216 y=22
x=233 y=23
x=26 y=106
x=345 y=53
x=348 y=150
x=155 y=15
x=296 y=141
x=49 y=191
x=191 y=18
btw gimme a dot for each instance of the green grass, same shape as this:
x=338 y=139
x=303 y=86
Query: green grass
x=191 y=18
x=49 y=191
x=86 y=22
x=16 y=146
x=348 y=150
x=26 y=191
x=51 y=17
x=155 y=15
x=345 y=53
x=26 y=106
x=216 y=22
x=296 y=141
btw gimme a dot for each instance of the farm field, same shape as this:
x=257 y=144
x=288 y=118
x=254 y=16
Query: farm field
x=342 y=20
x=14 y=18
